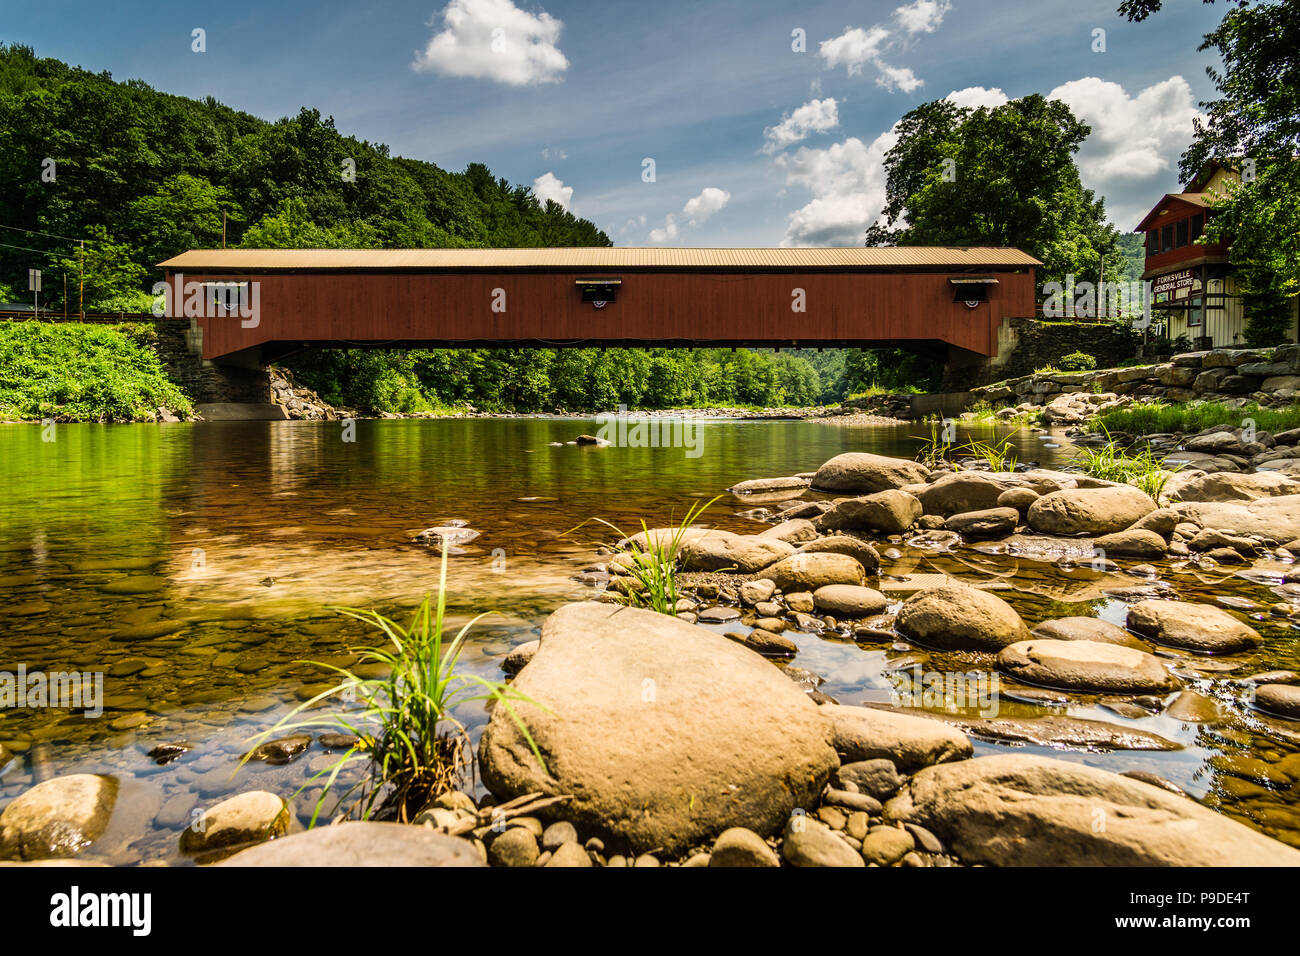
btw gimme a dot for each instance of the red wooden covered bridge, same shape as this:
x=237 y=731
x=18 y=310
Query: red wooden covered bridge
x=254 y=306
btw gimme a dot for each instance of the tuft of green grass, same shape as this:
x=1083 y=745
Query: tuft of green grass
x=934 y=450
x=1112 y=463
x=1149 y=418
x=654 y=563
x=998 y=454
x=411 y=744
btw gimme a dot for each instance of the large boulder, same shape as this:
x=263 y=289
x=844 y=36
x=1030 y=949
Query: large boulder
x=1232 y=486
x=849 y=600
x=866 y=474
x=1132 y=543
x=1020 y=810
x=810 y=570
x=959 y=617
x=57 y=818
x=1275 y=518
x=891 y=512
x=1085 y=629
x=855 y=548
x=759 y=485
x=723 y=550
x=1086 y=666
x=1089 y=510
x=1202 y=628
x=664 y=734
x=960 y=492
x=1280 y=699
x=358 y=843
x=792 y=531
x=989 y=523
x=911 y=742
x=662 y=539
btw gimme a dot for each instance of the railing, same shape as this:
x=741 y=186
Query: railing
x=45 y=315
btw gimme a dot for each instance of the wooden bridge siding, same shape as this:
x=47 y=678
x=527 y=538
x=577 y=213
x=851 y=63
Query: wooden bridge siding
x=697 y=307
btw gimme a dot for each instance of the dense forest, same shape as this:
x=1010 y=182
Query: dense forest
x=141 y=175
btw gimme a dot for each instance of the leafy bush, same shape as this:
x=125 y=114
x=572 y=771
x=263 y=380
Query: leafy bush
x=82 y=372
x=1076 y=362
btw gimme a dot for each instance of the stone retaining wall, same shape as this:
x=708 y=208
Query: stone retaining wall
x=1265 y=376
x=1028 y=344
x=203 y=381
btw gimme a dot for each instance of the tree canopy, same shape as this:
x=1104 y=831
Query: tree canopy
x=143 y=175
x=1000 y=176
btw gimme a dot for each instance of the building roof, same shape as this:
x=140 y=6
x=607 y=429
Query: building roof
x=603 y=257
x=1192 y=199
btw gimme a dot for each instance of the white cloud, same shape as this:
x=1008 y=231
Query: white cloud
x=548 y=186
x=973 y=97
x=855 y=49
x=554 y=152
x=847 y=181
x=898 y=78
x=923 y=16
x=815 y=116
x=1131 y=156
x=699 y=208
x=495 y=40
x=668 y=232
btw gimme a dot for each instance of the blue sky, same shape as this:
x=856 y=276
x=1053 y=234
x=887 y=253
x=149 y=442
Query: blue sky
x=753 y=143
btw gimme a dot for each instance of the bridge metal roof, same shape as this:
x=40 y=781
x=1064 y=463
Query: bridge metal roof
x=603 y=257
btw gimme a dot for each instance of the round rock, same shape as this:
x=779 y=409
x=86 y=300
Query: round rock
x=739 y=847
x=849 y=600
x=959 y=617
x=1095 y=511
x=361 y=844
x=634 y=709
x=808 y=571
x=1086 y=666
x=1280 y=699
x=1201 y=628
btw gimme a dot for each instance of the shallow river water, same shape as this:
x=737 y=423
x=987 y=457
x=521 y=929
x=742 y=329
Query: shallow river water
x=196 y=567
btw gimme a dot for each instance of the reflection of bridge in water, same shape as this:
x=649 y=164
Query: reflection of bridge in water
x=948 y=303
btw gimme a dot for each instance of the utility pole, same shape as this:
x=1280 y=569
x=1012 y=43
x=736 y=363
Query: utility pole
x=1101 y=288
x=223 y=229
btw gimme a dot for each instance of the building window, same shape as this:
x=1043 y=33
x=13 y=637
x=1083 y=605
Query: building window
x=1195 y=312
x=1181 y=233
x=1198 y=226
x=1167 y=239
x=1153 y=242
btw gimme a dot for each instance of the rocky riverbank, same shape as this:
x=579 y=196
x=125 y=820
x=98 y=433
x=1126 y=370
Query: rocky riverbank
x=1234 y=377
x=702 y=738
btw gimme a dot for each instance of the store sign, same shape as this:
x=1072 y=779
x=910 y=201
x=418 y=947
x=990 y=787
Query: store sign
x=1174 y=282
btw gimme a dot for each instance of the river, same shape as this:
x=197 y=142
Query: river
x=196 y=567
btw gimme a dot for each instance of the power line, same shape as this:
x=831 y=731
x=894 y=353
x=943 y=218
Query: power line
x=44 y=252
x=37 y=232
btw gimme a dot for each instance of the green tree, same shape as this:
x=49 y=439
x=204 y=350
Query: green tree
x=1002 y=176
x=107 y=270
x=184 y=212
x=1253 y=125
